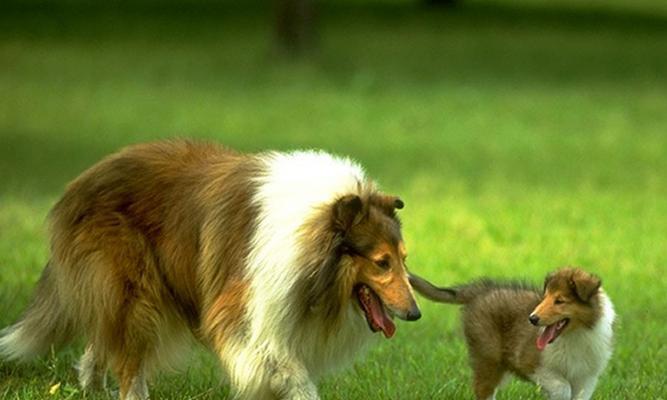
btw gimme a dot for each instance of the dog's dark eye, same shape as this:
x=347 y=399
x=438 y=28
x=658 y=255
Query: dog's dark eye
x=559 y=301
x=384 y=263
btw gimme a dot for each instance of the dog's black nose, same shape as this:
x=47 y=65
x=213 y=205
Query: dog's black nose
x=413 y=315
x=534 y=319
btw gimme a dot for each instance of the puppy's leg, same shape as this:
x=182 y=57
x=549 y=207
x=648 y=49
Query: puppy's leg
x=487 y=376
x=91 y=369
x=584 y=389
x=554 y=386
x=557 y=390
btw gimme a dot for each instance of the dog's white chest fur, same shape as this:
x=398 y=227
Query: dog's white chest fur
x=571 y=365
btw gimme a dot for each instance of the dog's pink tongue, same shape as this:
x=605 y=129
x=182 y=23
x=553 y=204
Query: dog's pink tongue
x=546 y=336
x=380 y=317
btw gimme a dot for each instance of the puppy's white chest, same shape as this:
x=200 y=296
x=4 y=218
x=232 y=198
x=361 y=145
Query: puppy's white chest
x=571 y=360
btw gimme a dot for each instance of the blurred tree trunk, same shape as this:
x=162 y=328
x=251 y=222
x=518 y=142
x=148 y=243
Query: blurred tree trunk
x=296 y=29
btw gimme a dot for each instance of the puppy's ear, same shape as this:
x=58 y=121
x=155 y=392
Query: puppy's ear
x=547 y=280
x=584 y=285
x=347 y=212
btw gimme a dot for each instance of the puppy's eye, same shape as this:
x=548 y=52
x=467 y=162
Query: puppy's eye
x=384 y=263
x=559 y=301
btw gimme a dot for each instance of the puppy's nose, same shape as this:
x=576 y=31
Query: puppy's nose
x=413 y=314
x=534 y=319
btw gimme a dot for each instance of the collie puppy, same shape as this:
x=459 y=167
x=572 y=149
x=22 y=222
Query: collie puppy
x=284 y=264
x=560 y=338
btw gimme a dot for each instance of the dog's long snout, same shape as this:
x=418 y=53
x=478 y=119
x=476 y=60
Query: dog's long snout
x=414 y=314
x=534 y=319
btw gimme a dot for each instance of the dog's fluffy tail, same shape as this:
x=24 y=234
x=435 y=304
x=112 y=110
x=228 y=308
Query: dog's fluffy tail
x=43 y=324
x=462 y=294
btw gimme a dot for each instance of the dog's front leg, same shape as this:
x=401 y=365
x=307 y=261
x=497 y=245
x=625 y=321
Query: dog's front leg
x=292 y=382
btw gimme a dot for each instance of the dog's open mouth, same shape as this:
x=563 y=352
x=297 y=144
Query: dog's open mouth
x=549 y=333
x=376 y=314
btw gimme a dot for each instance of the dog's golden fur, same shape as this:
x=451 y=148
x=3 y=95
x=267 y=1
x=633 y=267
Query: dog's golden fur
x=163 y=242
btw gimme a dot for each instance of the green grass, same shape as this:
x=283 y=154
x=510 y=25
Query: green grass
x=522 y=137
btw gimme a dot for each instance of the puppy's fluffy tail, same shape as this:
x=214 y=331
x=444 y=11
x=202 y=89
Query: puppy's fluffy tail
x=462 y=294
x=43 y=324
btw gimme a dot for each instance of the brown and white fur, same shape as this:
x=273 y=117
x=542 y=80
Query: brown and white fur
x=279 y=262
x=560 y=338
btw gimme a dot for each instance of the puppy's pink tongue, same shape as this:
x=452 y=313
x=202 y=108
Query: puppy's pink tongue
x=380 y=317
x=546 y=336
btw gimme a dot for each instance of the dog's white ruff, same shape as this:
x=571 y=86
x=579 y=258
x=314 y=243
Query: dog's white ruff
x=280 y=349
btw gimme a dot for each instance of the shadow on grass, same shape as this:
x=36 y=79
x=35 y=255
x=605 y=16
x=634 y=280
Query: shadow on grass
x=42 y=165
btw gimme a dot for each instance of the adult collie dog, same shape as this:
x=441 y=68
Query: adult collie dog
x=559 y=338
x=284 y=264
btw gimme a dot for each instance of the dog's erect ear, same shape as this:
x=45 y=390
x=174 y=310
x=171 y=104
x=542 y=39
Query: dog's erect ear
x=348 y=212
x=585 y=285
x=388 y=204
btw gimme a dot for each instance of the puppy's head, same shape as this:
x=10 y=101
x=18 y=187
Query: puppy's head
x=570 y=302
x=373 y=247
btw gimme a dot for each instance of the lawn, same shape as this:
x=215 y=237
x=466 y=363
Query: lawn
x=522 y=136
